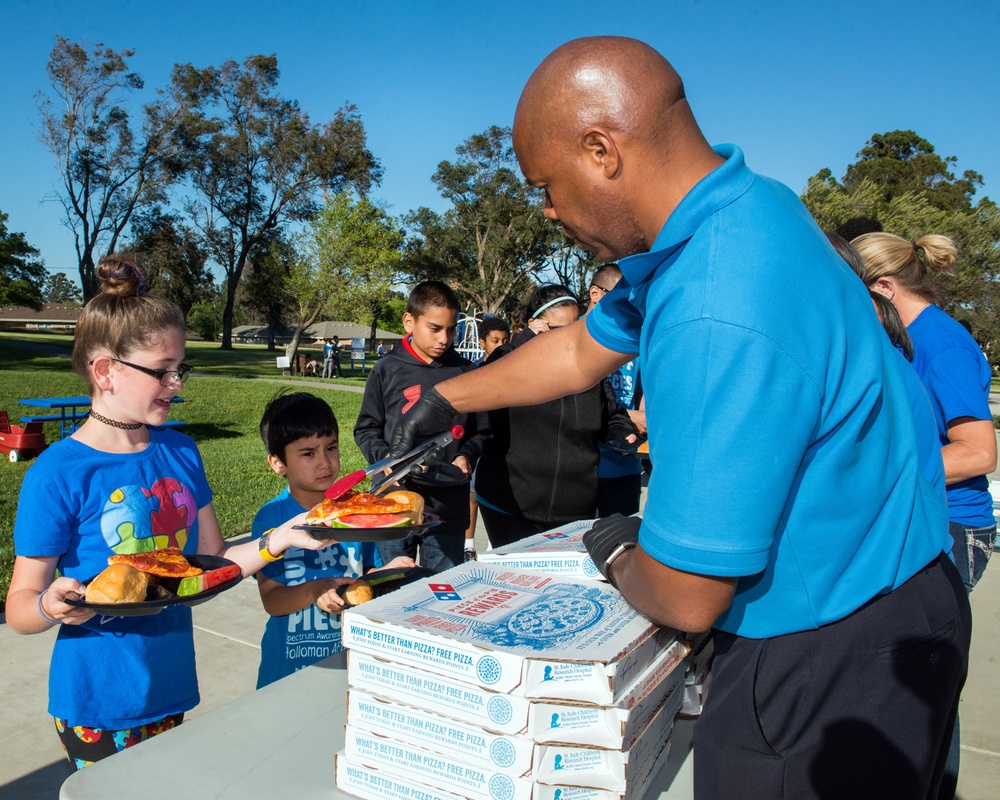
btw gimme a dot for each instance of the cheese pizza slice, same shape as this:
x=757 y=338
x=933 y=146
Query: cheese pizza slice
x=168 y=562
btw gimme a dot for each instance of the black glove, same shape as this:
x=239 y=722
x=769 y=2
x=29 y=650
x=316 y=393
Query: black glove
x=429 y=416
x=603 y=540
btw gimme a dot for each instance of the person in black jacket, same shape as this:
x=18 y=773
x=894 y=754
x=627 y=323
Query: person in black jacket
x=539 y=469
x=394 y=385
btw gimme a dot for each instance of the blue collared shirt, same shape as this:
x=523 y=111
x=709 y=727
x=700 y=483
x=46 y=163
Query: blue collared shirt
x=781 y=437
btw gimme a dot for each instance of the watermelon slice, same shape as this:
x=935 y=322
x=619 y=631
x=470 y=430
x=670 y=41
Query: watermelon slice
x=371 y=521
x=207 y=580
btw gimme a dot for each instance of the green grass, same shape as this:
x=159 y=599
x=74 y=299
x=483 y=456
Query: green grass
x=222 y=409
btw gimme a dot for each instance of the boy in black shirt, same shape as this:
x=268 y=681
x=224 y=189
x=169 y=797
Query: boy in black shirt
x=394 y=384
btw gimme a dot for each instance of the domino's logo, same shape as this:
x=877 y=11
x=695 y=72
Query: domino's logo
x=444 y=591
x=555 y=535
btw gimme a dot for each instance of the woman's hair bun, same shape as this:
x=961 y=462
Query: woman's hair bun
x=120 y=276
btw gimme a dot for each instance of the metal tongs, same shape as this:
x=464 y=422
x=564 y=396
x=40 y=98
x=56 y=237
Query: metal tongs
x=416 y=460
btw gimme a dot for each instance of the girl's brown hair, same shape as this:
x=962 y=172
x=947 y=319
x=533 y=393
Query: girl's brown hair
x=122 y=318
x=888 y=255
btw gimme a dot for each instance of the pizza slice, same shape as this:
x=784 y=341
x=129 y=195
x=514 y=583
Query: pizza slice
x=168 y=562
x=364 y=510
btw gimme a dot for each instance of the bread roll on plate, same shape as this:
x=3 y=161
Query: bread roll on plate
x=416 y=512
x=119 y=583
x=358 y=592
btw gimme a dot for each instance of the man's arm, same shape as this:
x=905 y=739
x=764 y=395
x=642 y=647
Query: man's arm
x=667 y=596
x=562 y=362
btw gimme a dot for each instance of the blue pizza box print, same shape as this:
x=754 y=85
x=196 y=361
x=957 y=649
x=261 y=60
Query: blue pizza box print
x=542 y=721
x=447 y=772
x=512 y=630
x=491 y=752
x=559 y=551
x=502 y=713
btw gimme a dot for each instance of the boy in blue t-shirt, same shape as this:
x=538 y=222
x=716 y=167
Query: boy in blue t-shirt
x=299 y=591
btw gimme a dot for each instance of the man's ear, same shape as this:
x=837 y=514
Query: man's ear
x=601 y=147
x=277 y=465
x=408 y=321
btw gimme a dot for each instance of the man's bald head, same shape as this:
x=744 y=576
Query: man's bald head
x=609 y=81
x=604 y=127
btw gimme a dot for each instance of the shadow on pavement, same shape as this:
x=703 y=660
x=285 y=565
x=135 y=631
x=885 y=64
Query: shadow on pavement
x=44 y=782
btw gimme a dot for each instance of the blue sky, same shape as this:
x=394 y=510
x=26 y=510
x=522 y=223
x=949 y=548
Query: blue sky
x=798 y=85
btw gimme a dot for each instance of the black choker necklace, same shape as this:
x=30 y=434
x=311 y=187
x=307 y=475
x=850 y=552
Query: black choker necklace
x=125 y=426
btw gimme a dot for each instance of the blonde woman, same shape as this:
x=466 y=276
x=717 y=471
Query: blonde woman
x=956 y=376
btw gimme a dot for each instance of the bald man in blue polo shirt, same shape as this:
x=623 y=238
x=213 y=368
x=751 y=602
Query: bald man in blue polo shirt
x=788 y=509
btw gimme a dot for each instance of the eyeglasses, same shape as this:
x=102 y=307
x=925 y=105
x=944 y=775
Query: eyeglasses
x=166 y=377
x=599 y=288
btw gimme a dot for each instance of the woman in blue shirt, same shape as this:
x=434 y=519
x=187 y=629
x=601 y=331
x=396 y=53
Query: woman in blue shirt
x=957 y=377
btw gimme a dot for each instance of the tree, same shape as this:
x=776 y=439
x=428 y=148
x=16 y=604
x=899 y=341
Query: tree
x=901 y=162
x=571 y=267
x=258 y=162
x=900 y=184
x=106 y=168
x=348 y=263
x=22 y=272
x=175 y=262
x=60 y=289
x=494 y=236
x=264 y=291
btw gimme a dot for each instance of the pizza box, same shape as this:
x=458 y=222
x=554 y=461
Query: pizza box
x=556 y=765
x=490 y=751
x=372 y=783
x=542 y=721
x=559 y=551
x=510 y=753
x=611 y=770
x=510 y=630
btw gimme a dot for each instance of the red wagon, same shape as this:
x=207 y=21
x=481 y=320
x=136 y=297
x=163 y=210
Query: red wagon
x=17 y=441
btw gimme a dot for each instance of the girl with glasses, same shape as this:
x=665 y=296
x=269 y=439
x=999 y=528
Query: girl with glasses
x=120 y=484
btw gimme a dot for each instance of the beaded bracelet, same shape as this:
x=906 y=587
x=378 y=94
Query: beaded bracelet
x=41 y=611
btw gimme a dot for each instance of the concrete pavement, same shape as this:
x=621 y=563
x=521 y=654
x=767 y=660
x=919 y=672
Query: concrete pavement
x=227 y=639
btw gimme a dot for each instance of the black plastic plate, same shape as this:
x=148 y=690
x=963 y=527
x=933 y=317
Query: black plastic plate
x=159 y=597
x=323 y=532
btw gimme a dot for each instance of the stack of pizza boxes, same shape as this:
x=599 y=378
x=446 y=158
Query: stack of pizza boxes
x=561 y=551
x=494 y=683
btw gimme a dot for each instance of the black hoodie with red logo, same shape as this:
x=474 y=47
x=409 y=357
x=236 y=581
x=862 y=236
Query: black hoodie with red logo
x=393 y=386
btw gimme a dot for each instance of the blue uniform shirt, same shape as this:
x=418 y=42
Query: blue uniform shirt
x=779 y=422
x=956 y=376
x=624 y=384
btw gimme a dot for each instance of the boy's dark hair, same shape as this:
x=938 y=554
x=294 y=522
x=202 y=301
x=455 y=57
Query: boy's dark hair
x=291 y=416
x=490 y=324
x=847 y=252
x=544 y=297
x=893 y=324
x=428 y=294
x=858 y=226
x=606 y=273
